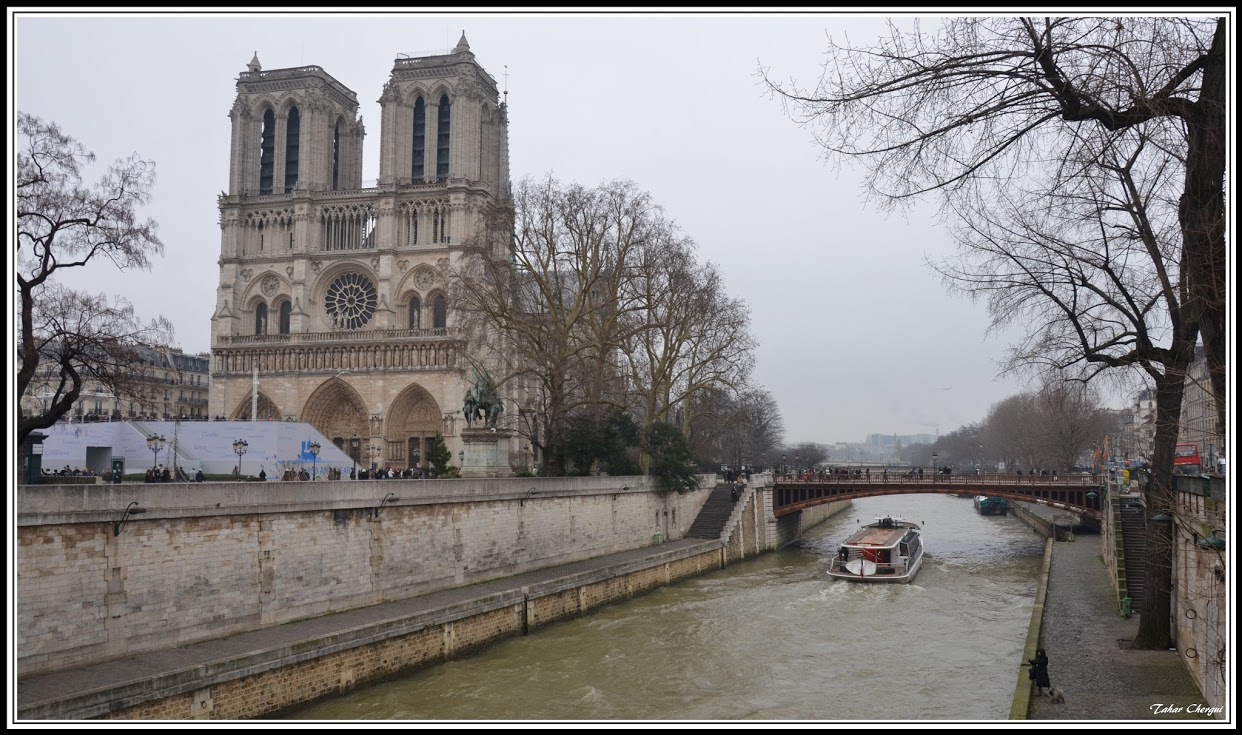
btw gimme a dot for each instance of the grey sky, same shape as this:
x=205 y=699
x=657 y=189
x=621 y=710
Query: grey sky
x=856 y=334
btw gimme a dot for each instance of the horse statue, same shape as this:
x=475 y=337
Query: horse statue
x=494 y=409
x=482 y=403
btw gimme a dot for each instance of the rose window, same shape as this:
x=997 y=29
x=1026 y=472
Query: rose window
x=350 y=301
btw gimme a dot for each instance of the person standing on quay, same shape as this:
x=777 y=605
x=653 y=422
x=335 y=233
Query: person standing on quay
x=1039 y=672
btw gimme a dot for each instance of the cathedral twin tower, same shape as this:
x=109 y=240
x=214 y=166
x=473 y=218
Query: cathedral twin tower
x=337 y=293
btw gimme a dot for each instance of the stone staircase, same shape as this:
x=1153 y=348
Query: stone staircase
x=714 y=514
x=1134 y=534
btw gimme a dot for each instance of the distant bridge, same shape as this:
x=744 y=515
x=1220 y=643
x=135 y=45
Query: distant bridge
x=1081 y=494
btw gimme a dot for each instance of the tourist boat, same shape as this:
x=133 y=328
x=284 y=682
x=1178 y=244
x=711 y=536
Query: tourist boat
x=989 y=506
x=889 y=550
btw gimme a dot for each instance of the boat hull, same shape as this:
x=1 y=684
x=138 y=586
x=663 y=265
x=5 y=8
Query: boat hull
x=850 y=572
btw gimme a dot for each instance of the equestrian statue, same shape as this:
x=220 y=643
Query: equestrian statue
x=482 y=402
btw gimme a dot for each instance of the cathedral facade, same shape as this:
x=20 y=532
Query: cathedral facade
x=334 y=304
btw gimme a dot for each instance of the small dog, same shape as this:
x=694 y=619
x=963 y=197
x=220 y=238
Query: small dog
x=1056 y=696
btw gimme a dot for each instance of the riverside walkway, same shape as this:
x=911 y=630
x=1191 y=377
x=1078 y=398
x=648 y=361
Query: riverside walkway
x=1086 y=641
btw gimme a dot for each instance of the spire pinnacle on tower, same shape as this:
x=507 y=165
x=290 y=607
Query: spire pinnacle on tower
x=462 y=45
x=254 y=64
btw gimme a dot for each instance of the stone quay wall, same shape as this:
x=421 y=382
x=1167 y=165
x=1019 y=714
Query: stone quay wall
x=207 y=560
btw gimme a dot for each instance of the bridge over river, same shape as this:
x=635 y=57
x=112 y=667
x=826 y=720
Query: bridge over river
x=1081 y=494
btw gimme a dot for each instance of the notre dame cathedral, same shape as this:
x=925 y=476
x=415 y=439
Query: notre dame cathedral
x=336 y=295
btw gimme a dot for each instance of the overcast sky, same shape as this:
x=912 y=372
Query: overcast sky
x=856 y=334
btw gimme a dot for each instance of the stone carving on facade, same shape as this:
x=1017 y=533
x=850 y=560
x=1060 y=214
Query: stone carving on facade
x=424 y=279
x=316 y=265
x=247 y=273
x=403 y=264
x=442 y=266
x=377 y=424
x=374 y=264
x=289 y=271
x=270 y=284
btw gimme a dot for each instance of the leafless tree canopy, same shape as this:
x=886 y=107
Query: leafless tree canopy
x=738 y=429
x=984 y=103
x=598 y=304
x=1053 y=428
x=67 y=338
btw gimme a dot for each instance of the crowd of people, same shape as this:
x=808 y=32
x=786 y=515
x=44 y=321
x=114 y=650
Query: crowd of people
x=417 y=472
x=67 y=472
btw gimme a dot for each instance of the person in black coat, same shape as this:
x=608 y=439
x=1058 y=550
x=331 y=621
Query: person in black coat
x=1039 y=672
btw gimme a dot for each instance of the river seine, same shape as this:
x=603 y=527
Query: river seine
x=773 y=638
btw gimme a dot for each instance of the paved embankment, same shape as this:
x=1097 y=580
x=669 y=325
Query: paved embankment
x=1087 y=640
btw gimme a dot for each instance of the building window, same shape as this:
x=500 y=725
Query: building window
x=439 y=312
x=415 y=307
x=285 y=309
x=420 y=140
x=260 y=237
x=350 y=301
x=336 y=155
x=442 y=140
x=267 y=152
x=260 y=319
x=439 y=225
x=292 y=136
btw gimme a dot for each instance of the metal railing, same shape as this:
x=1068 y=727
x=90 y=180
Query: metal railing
x=930 y=478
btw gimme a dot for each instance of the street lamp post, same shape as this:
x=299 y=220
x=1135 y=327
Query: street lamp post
x=784 y=465
x=314 y=450
x=353 y=454
x=155 y=443
x=935 y=465
x=239 y=448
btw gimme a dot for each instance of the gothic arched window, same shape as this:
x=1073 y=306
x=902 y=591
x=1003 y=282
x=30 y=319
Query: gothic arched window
x=415 y=316
x=420 y=140
x=336 y=155
x=260 y=319
x=285 y=309
x=292 y=140
x=267 y=152
x=442 y=140
x=439 y=312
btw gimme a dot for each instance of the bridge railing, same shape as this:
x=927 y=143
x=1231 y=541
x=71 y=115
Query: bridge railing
x=933 y=478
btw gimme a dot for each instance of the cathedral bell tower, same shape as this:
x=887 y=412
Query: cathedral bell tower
x=337 y=296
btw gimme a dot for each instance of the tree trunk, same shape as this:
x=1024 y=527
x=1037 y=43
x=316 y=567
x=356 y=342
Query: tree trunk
x=1155 y=627
x=1202 y=218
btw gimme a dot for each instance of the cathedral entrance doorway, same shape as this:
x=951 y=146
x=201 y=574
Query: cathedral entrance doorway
x=413 y=421
x=336 y=410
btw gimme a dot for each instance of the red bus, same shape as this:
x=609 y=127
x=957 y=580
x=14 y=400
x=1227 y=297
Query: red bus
x=1186 y=459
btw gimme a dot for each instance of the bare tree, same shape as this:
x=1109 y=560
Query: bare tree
x=687 y=335
x=1117 y=123
x=983 y=98
x=1070 y=419
x=552 y=306
x=67 y=338
x=1084 y=261
x=736 y=429
x=806 y=455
